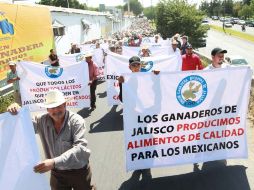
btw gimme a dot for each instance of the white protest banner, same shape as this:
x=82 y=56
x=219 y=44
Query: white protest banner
x=19 y=153
x=118 y=64
x=185 y=117
x=79 y=57
x=36 y=80
x=70 y=58
x=155 y=51
x=151 y=41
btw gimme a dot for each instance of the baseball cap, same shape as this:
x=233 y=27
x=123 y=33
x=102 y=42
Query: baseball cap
x=134 y=59
x=218 y=50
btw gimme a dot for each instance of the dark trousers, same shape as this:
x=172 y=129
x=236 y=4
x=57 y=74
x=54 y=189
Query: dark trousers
x=78 y=179
x=92 y=93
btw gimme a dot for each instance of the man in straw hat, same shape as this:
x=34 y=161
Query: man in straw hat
x=93 y=78
x=62 y=135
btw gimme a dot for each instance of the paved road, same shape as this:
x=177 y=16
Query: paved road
x=105 y=136
x=249 y=30
x=235 y=46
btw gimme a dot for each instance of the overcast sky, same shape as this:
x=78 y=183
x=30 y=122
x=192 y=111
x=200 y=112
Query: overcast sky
x=95 y=3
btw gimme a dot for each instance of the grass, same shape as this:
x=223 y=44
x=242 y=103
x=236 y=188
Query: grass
x=232 y=32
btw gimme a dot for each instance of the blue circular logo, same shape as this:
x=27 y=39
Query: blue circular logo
x=53 y=72
x=191 y=91
x=79 y=57
x=146 y=66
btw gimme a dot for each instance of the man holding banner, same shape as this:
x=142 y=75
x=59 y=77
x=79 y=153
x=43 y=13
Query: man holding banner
x=63 y=138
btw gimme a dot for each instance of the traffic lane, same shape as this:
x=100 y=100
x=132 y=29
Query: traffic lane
x=237 y=27
x=234 y=46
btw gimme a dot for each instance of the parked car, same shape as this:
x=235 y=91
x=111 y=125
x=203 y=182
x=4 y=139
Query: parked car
x=222 y=19
x=228 y=25
x=215 y=17
x=205 y=22
x=250 y=23
x=241 y=22
x=236 y=60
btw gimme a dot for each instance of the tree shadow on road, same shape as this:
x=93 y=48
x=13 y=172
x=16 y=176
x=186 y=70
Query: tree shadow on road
x=111 y=121
x=229 y=177
x=84 y=112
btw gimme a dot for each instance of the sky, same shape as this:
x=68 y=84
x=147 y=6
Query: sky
x=95 y=3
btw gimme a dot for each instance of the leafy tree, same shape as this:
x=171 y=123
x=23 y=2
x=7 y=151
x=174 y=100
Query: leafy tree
x=177 y=16
x=246 y=12
x=149 y=12
x=236 y=8
x=135 y=7
x=64 y=3
x=46 y=2
x=246 y=2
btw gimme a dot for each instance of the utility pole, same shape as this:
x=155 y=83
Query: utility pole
x=128 y=6
x=68 y=5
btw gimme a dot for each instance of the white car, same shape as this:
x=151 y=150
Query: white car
x=241 y=22
x=228 y=25
x=236 y=60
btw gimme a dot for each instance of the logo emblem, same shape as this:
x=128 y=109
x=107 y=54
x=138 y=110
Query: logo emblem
x=53 y=72
x=79 y=57
x=191 y=91
x=5 y=26
x=146 y=66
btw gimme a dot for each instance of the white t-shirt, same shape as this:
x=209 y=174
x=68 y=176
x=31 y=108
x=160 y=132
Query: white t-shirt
x=224 y=65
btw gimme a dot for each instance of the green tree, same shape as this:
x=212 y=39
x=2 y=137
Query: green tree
x=236 y=8
x=149 y=12
x=46 y=2
x=246 y=12
x=246 y=2
x=135 y=7
x=177 y=16
x=64 y=3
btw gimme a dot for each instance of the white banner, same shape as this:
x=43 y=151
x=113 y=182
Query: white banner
x=19 y=154
x=36 y=80
x=117 y=65
x=185 y=117
x=155 y=51
x=68 y=59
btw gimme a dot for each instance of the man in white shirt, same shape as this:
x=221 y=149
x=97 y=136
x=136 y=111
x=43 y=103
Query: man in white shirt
x=217 y=59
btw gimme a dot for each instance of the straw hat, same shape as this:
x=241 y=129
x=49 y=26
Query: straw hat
x=54 y=98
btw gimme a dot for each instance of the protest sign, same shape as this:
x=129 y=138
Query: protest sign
x=19 y=153
x=185 y=117
x=36 y=80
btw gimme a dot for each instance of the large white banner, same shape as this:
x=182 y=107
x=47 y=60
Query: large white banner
x=36 y=80
x=117 y=65
x=185 y=117
x=19 y=154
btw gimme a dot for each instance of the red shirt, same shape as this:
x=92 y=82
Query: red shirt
x=191 y=62
x=93 y=71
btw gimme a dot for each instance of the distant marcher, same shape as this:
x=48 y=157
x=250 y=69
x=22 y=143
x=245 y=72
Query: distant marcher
x=53 y=58
x=12 y=78
x=75 y=49
x=176 y=38
x=191 y=61
x=184 y=45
